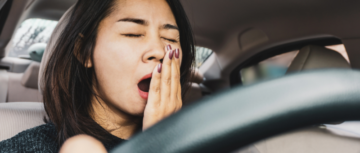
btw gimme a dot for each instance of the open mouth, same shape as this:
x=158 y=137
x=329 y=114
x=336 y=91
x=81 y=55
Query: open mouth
x=144 y=85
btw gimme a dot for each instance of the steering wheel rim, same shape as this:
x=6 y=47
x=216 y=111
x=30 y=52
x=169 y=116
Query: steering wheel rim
x=244 y=115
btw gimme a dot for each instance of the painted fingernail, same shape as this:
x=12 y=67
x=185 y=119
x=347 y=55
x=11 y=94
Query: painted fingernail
x=171 y=54
x=159 y=67
x=177 y=53
x=168 y=48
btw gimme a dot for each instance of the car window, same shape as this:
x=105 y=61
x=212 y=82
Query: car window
x=202 y=54
x=268 y=69
x=277 y=66
x=30 y=32
x=340 y=48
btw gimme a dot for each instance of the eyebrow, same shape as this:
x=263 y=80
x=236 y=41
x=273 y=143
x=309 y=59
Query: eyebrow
x=145 y=23
x=170 y=26
x=134 y=20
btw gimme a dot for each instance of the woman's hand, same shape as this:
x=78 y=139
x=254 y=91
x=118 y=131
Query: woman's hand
x=165 y=89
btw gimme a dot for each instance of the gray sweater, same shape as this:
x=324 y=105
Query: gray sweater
x=40 y=139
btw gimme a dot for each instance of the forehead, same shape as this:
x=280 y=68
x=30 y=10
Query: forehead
x=146 y=9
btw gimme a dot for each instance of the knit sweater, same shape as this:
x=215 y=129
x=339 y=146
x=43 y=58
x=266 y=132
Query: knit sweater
x=40 y=139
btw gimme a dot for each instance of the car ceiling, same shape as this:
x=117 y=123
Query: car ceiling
x=217 y=24
x=49 y=9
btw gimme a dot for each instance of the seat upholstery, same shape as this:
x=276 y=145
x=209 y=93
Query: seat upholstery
x=30 y=77
x=18 y=116
x=17 y=87
x=23 y=86
x=4 y=79
x=19 y=93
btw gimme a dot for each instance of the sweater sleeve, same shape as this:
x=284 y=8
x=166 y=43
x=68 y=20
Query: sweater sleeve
x=40 y=139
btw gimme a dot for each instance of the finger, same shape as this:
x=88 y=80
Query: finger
x=166 y=77
x=176 y=72
x=177 y=59
x=177 y=56
x=155 y=90
x=175 y=79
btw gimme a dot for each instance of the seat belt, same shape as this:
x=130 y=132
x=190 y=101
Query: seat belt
x=4 y=83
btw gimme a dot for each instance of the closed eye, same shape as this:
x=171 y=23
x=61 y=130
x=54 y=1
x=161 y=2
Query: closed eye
x=132 y=35
x=139 y=35
x=171 y=40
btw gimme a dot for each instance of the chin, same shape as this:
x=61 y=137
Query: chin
x=138 y=112
x=138 y=109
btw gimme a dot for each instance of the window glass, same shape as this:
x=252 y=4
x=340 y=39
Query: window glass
x=30 y=32
x=341 y=49
x=268 y=69
x=277 y=66
x=201 y=56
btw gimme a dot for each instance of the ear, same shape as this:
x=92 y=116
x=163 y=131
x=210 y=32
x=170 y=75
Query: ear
x=77 y=49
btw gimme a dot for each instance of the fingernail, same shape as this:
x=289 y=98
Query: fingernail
x=168 y=48
x=171 y=54
x=177 y=53
x=159 y=68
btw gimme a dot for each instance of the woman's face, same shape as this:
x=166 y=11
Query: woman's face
x=130 y=43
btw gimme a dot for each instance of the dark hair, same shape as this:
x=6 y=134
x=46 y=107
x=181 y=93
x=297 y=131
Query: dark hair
x=68 y=85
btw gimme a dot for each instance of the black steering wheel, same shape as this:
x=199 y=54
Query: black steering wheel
x=241 y=116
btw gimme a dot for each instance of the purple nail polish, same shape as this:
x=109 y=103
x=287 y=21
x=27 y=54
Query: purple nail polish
x=168 y=48
x=159 y=67
x=171 y=54
x=177 y=53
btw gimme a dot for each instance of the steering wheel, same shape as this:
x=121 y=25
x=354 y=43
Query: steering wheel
x=243 y=115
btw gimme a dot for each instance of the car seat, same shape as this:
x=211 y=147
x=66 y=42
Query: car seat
x=19 y=116
x=19 y=87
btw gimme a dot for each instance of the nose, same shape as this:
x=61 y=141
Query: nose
x=155 y=52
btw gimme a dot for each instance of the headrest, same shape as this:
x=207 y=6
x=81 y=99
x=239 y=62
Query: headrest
x=51 y=44
x=316 y=57
x=36 y=51
x=19 y=116
x=30 y=77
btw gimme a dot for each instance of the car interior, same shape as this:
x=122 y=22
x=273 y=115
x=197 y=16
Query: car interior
x=256 y=54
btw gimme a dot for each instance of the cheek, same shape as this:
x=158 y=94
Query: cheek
x=114 y=64
x=113 y=56
x=113 y=53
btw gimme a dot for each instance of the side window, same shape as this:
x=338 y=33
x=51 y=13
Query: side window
x=31 y=32
x=277 y=66
x=202 y=54
x=268 y=69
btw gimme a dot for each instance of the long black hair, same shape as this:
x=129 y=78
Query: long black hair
x=68 y=84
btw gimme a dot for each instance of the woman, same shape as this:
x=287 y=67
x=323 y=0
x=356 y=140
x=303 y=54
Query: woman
x=118 y=68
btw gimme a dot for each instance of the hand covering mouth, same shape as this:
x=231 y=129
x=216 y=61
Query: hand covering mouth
x=144 y=84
